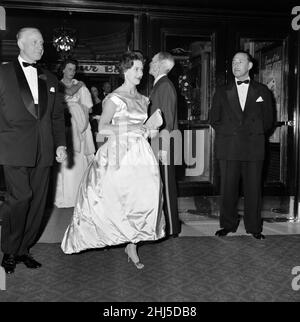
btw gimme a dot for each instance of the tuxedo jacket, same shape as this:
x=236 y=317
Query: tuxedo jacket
x=26 y=131
x=164 y=97
x=240 y=134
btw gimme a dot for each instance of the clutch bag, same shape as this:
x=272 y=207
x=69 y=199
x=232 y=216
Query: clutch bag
x=154 y=121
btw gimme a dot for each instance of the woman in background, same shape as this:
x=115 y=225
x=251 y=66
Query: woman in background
x=80 y=145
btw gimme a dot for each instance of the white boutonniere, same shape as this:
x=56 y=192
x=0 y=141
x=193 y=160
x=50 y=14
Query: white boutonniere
x=260 y=99
x=52 y=89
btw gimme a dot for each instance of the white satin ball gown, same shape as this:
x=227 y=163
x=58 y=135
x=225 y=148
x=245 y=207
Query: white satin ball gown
x=120 y=195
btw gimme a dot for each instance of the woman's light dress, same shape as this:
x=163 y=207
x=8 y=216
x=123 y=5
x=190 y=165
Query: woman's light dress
x=120 y=195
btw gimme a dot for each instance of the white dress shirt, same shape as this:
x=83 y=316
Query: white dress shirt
x=242 y=92
x=32 y=79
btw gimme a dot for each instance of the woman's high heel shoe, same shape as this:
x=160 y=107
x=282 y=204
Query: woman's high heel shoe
x=137 y=264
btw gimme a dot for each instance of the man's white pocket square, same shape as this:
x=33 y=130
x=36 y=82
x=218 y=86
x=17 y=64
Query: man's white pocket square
x=260 y=99
x=52 y=89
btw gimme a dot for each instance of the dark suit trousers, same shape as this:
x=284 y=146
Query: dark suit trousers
x=231 y=173
x=170 y=199
x=23 y=208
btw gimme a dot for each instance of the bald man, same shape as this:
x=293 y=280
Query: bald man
x=31 y=130
x=164 y=97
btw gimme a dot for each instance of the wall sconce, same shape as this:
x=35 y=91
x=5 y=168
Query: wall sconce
x=64 y=40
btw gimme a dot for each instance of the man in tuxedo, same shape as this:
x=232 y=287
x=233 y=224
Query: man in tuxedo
x=106 y=89
x=241 y=114
x=31 y=126
x=164 y=97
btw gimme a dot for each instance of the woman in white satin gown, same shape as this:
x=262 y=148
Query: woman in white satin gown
x=80 y=144
x=120 y=196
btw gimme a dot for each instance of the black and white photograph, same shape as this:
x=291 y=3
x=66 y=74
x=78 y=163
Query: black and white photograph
x=149 y=155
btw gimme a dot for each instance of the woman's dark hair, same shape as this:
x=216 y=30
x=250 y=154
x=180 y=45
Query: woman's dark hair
x=65 y=63
x=127 y=60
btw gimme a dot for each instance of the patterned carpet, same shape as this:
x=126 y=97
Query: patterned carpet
x=185 y=269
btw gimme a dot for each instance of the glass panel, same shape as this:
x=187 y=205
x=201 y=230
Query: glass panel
x=193 y=152
x=193 y=78
x=196 y=154
x=191 y=74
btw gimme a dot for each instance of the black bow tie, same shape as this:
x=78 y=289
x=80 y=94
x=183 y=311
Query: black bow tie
x=28 y=64
x=241 y=82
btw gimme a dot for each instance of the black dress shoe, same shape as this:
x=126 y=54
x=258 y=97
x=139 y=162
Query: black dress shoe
x=223 y=232
x=9 y=263
x=28 y=261
x=259 y=236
